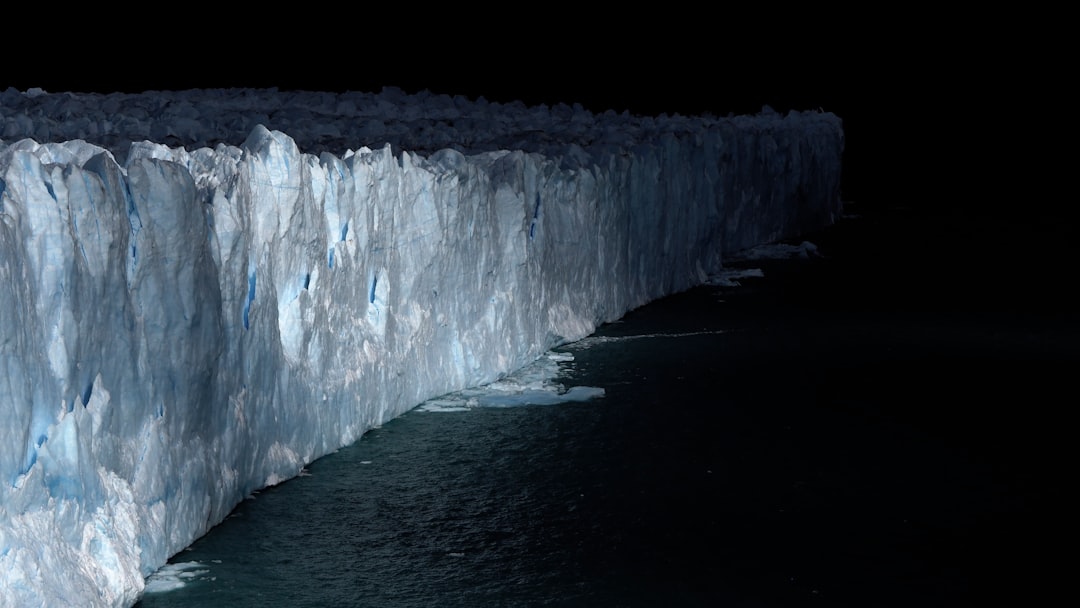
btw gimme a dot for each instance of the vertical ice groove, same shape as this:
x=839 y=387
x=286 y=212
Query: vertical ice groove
x=250 y=293
x=129 y=288
x=535 y=217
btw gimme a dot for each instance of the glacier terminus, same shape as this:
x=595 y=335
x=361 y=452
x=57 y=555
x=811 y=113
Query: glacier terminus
x=208 y=290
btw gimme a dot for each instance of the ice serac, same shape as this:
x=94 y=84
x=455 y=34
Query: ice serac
x=191 y=326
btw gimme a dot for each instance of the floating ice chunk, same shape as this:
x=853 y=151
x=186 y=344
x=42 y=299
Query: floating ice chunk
x=539 y=397
x=731 y=277
x=776 y=251
x=171 y=577
x=534 y=384
x=591 y=341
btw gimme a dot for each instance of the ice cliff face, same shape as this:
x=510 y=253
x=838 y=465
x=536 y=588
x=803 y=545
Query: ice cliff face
x=186 y=327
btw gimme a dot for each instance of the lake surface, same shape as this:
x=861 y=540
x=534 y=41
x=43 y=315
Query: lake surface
x=868 y=427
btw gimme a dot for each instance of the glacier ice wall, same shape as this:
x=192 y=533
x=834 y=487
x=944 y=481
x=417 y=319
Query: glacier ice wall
x=185 y=327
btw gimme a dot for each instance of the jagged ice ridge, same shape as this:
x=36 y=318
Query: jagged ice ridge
x=185 y=325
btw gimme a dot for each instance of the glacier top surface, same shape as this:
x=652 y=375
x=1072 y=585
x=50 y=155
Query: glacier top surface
x=338 y=122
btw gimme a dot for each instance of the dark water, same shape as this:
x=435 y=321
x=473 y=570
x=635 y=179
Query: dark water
x=854 y=430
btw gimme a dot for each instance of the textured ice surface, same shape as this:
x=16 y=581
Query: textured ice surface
x=185 y=325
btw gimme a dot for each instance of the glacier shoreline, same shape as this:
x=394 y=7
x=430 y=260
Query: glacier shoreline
x=187 y=327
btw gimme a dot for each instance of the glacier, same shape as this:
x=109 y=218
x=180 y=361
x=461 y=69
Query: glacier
x=208 y=290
